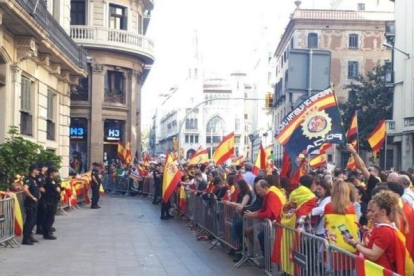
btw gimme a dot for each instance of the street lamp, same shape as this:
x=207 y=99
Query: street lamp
x=393 y=47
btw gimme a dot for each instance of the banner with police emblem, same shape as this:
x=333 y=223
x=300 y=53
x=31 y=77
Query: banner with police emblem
x=312 y=123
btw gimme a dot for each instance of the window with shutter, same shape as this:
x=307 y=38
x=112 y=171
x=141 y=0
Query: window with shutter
x=26 y=107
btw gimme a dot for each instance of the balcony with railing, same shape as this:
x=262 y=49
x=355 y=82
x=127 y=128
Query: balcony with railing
x=115 y=40
x=56 y=33
x=342 y=15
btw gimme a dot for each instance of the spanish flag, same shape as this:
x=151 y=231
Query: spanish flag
x=182 y=199
x=172 y=177
x=351 y=165
x=127 y=154
x=365 y=267
x=302 y=200
x=377 y=137
x=336 y=224
x=319 y=161
x=324 y=148
x=286 y=165
x=352 y=133
x=260 y=161
x=224 y=150
x=146 y=160
x=301 y=170
x=239 y=161
x=121 y=151
x=200 y=157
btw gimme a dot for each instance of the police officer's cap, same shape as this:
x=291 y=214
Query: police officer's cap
x=52 y=170
x=42 y=165
x=33 y=167
x=95 y=164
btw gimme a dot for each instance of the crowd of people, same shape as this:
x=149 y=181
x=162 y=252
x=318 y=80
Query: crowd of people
x=366 y=211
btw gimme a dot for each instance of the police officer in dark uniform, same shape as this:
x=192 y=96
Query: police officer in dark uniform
x=51 y=190
x=31 y=190
x=41 y=205
x=96 y=183
x=158 y=176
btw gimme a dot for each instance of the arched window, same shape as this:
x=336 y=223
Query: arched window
x=216 y=128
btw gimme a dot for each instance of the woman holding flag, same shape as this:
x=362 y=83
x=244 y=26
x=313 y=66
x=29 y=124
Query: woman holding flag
x=386 y=245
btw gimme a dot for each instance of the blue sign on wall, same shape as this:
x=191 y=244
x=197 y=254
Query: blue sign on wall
x=77 y=133
x=113 y=134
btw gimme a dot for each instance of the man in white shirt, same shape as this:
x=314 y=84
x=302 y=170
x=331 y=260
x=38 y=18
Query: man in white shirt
x=408 y=195
x=249 y=176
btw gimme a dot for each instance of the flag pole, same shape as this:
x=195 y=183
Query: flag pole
x=385 y=153
x=356 y=117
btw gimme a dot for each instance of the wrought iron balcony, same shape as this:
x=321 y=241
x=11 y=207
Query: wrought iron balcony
x=56 y=33
x=113 y=39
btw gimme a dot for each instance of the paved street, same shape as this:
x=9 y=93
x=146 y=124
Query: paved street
x=124 y=237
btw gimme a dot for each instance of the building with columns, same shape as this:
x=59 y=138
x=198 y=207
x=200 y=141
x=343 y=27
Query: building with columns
x=355 y=39
x=106 y=106
x=39 y=63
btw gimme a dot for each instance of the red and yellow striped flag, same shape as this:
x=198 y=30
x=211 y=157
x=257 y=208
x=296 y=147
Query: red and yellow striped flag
x=172 y=177
x=365 y=267
x=286 y=241
x=182 y=204
x=127 y=154
x=238 y=161
x=377 y=137
x=224 y=150
x=352 y=132
x=319 y=160
x=324 y=148
x=260 y=161
x=121 y=151
x=200 y=157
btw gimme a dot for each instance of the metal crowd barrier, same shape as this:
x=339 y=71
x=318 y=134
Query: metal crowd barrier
x=344 y=263
x=7 y=237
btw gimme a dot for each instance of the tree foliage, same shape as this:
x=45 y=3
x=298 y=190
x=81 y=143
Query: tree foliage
x=372 y=99
x=17 y=154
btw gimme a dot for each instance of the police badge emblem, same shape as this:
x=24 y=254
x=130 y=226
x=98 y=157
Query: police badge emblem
x=316 y=124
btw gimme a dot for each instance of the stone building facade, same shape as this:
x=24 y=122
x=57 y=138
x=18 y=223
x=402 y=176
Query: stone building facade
x=354 y=39
x=401 y=132
x=106 y=107
x=39 y=63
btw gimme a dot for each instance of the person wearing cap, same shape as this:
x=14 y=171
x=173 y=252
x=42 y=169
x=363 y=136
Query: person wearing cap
x=96 y=182
x=51 y=189
x=31 y=190
x=41 y=205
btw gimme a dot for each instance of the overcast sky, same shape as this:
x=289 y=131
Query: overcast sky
x=228 y=32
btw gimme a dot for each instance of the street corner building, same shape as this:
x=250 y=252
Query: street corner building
x=106 y=106
x=39 y=63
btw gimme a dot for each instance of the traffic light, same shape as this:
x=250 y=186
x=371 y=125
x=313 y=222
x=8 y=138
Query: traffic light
x=269 y=100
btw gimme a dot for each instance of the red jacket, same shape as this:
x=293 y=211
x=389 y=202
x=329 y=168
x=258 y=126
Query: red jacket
x=272 y=207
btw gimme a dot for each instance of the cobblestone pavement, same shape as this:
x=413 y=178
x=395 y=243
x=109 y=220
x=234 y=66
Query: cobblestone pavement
x=124 y=237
